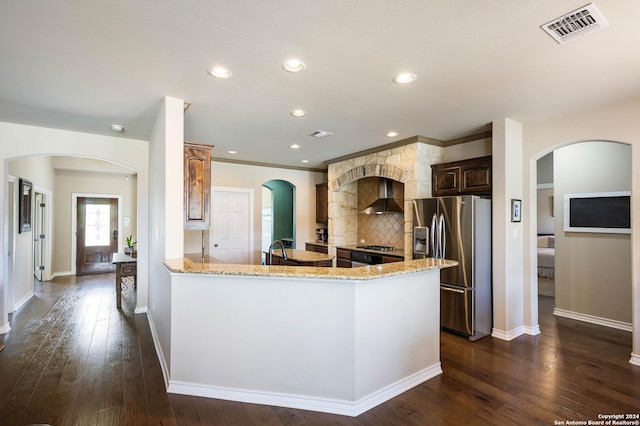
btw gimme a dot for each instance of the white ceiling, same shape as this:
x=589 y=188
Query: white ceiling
x=83 y=65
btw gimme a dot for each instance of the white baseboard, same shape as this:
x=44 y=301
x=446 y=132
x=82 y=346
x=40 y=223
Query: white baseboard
x=140 y=310
x=4 y=329
x=324 y=405
x=156 y=344
x=593 y=319
x=508 y=335
x=22 y=301
x=61 y=274
x=532 y=331
x=635 y=359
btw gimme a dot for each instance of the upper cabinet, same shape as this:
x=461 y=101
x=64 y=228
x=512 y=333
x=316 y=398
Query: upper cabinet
x=322 y=203
x=197 y=186
x=464 y=177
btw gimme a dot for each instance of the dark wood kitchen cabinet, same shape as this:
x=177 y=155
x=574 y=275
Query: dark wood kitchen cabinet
x=343 y=258
x=322 y=203
x=197 y=186
x=466 y=177
x=318 y=248
x=387 y=258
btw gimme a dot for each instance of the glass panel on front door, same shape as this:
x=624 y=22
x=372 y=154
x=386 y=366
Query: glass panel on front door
x=98 y=218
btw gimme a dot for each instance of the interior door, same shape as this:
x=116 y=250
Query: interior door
x=97 y=234
x=231 y=226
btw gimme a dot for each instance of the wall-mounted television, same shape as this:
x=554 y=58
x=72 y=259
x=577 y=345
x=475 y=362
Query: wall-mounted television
x=603 y=212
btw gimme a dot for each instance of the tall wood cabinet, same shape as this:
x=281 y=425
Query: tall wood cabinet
x=197 y=186
x=322 y=203
x=472 y=176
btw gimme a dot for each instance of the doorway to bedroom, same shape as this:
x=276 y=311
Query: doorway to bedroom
x=588 y=274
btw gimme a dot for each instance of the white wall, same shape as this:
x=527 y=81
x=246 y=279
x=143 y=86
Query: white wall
x=583 y=285
x=68 y=182
x=249 y=176
x=507 y=250
x=18 y=141
x=616 y=122
x=37 y=170
x=463 y=151
x=165 y=219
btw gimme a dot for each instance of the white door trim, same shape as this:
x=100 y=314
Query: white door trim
x=74 y=221
x=13 y=230
x=249 y=192
x=48 y=228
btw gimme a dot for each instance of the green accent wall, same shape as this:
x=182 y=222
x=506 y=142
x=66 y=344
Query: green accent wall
x=283 y=193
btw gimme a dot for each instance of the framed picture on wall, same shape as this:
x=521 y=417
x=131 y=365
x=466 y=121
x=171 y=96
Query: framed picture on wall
x=24 y=205
x=516 y=210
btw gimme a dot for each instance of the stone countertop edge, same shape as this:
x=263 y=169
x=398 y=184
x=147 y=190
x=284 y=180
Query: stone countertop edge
x=186 y=266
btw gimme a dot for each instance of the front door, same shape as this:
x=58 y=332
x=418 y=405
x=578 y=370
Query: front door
x=97 y=234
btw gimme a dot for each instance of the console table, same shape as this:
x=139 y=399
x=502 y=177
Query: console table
x=126 y=267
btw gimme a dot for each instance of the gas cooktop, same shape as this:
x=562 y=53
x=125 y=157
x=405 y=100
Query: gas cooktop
x=377 y=248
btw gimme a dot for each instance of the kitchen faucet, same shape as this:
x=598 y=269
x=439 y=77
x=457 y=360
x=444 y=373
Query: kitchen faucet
x=284 y=253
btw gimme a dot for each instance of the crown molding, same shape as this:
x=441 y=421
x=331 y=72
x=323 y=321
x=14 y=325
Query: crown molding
x=275 y=166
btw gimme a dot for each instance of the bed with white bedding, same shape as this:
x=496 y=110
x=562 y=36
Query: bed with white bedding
x=546 y=256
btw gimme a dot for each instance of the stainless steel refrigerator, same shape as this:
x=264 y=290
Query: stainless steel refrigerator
x=458 y=228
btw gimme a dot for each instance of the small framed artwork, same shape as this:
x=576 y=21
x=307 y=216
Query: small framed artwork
x=516 y=210
x=24 y=205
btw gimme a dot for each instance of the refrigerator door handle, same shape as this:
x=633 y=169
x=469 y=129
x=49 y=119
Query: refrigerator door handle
x=442 y=231
x=454 y=290
x=434 y=243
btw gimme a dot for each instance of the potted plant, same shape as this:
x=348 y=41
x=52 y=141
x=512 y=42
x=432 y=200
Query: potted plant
x=130 y=249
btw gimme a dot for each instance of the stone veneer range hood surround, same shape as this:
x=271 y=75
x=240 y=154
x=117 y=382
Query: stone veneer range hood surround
x=408 y=164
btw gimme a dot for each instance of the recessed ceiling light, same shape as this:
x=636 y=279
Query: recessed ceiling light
x=304 y=161
x=294 y=65
x=392 y=134
x=405 y=77
x=220 y=72
x=298 y=113
x=232 y=152
x=294 y=146
x=320 y=134
x=117 y=128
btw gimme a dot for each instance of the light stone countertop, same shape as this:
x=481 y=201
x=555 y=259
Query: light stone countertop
x=195 y=265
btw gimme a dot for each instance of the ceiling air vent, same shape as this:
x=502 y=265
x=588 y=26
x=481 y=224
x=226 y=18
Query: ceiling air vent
x=577 y=23
x=320 y=134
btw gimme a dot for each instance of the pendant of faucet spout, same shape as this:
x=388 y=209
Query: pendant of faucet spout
x=271 y=247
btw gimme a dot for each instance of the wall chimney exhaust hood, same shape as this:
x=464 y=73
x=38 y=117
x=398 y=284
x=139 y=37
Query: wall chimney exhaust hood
x=386 y=203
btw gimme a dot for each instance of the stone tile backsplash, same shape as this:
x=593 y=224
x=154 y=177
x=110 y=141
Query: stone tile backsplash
x=385 y=229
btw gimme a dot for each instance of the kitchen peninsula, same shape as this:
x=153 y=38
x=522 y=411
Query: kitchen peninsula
x=325 y=339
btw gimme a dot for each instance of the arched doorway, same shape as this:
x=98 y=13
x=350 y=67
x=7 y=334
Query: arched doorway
x=21 y=141
x=593 y=270
x=50 y=244
x=278 y=213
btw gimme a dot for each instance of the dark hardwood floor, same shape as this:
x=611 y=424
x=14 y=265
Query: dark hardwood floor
x=71 y=358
